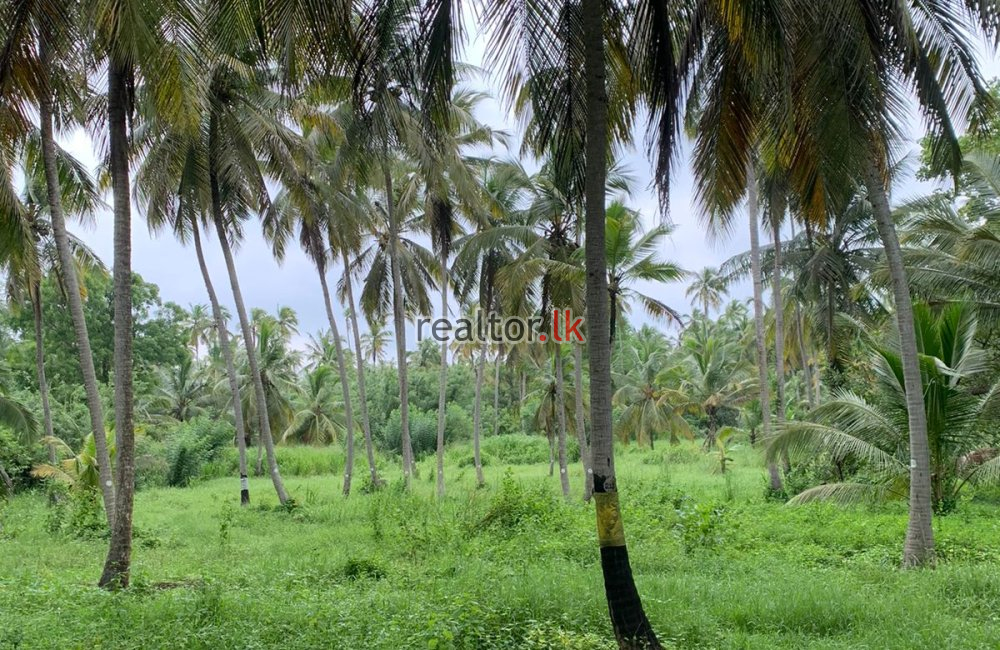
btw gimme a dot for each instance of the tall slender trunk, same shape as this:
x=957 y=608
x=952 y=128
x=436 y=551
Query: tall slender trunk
x=561 y=407
x=263 y=419
x=520 y=404
x=222 y=332
x=362 y=392
x=552 y=448
x=581 y=428
x=118 y=564
x=758 y=319
x=807 y=374
x=477 y=415
x=43 y=384
x=345 y=385
x=777 y=216
x=443 y=378
x=497 y=364
x=918 y=549
x=631 y=627
x=73 y=299
x=399 y=327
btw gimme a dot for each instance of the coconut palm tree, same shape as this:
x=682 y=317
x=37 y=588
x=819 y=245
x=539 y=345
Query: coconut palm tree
x=46 y=38
x=707 y=289
x=714 y=376
x=481 y=255
x=632 y=258
x=873 y=432
x=278 y=375
x=313 y=223
x=26 y=262
x=199 y=326
x=810 y=64
x=398 y=273
x=651 y=408
x=553 y=414
x=375 y=340
x=215 y=166
x=318 y=420
x=181 y=392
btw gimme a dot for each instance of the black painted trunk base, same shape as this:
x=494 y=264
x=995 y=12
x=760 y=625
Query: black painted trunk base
x=632 y=628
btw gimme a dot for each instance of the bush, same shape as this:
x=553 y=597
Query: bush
x=78 y=512
x=298 y=460
x=423 y=429
x=150 y=463
x=192 y=445
x=522 y=449
x=515 y=508
x=517 y=449
x=16 y=460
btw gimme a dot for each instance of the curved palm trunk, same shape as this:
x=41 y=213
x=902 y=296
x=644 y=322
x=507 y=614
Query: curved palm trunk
x=778 y=210
x=362 y=392
x=477 y=416
x=260 y=398
x=227 y=356
x=43 y=384
x=344 y=384
x=631 y=627
x=73 y=299
x=118 y=564
x=581 y=430
x=443 y=379
x=918 y=550
x=561 y=407
x=399 y=327
x=758 y=319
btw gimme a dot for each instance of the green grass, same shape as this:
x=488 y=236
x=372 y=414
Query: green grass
x=509 y=566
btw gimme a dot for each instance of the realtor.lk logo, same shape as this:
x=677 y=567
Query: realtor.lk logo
x=493 y=328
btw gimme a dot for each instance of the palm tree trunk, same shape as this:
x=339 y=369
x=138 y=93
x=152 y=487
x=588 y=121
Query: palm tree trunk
x=520 y=404
x=43 y=384
x=118 y=563
x=918 y=549
x=73 y=299
x=552 y=454
x=806 y=365
x=263 y=419
x=561 y=407
x=581 y=429
x=259 y=469
x=399 y=327
x=496 y=391
x=222 y=333
x=443 y=378
x=362 y=392
x=758 y=319
x=345 y=385
x=778 y=214
x=477 y=415
x=631 y=627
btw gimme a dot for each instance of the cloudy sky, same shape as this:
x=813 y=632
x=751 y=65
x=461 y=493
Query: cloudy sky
x=294 y=283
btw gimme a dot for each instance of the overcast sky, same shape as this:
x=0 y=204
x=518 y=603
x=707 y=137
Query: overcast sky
x=265 y=284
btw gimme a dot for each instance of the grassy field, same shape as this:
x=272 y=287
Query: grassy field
x=509 y=566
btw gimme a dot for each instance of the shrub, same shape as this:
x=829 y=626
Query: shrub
x=193 y=444
x=515 y=508
x=423 y=429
